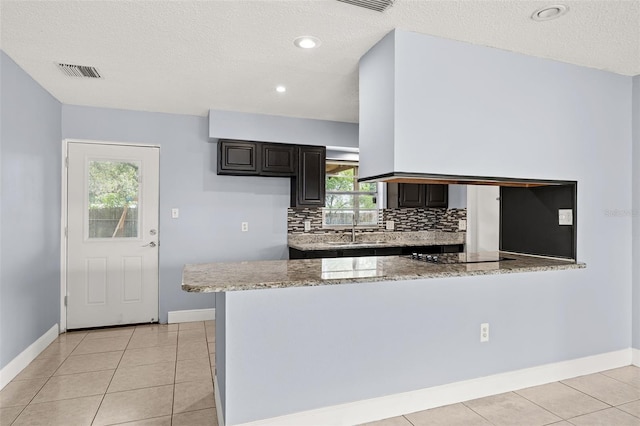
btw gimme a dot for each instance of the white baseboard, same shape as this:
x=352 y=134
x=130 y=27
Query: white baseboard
x=408 y=402
x=192 y=315
x=18 y=364
x=635 y=357
x=216 y=395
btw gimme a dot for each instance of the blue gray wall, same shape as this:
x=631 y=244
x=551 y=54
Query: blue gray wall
x=472 y=110
x=30 y=153
x=511 y=115
x=211 y=207
x=275 y=128
x=287 y=352
x=496 y=113
x=221 y=343
x=457 y=196
x=377 y=107
x=636 y=212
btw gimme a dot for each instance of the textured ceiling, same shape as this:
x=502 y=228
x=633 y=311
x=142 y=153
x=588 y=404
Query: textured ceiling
x=191 y=56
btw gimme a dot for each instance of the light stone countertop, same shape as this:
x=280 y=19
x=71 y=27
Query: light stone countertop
x=255 y=275
x=308 y=242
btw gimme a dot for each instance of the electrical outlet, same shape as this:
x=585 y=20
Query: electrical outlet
x=484 y=332
x=307 y=225
x=462 y=225
x=245 y=227
x=175 y=213
x=565 y=216
x=391 y=225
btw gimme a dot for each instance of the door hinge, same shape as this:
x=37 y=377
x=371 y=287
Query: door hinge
x=65 y=300
x=66 y=232
x=66 y=161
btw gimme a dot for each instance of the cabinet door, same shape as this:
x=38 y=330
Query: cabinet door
x=437 y=195
x=411 y=195
x=279 y=160
x=237 y=158
x=308 y=187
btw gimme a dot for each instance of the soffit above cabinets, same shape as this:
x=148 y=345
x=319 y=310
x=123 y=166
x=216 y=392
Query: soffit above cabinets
x=189 y=57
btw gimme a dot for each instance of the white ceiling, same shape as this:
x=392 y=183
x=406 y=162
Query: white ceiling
x=191 y=56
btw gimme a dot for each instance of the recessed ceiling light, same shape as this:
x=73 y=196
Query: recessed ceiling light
x=307 y=42
x=549 y=12
x=281 y=89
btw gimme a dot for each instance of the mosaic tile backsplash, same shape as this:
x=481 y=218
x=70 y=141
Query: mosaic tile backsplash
x=437 y=219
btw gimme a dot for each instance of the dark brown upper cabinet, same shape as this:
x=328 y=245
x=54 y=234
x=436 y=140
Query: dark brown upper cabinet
x=417 y=195
x=280 y=160
x=437 y=195
x=305 y=164
x=308 y=187
x=411 y=195
x=238 y=158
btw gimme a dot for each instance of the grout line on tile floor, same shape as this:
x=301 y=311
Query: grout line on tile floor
x=557 y=415
x=597 y=411
x=608 y=406
x=619 y=381
x=617 y=408
x=474 y=411
x=592 y=396
x=48 y=378
x=111 y=380
x=175 y=377
x=20 y=413
x=407 y=419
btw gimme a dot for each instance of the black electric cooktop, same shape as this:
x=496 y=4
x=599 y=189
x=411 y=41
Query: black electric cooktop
x=448 y=258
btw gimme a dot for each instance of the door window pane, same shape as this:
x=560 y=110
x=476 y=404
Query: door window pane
x=114 y=189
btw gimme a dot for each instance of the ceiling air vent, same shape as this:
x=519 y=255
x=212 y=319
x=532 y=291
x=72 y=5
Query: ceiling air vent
x=377 y=5
x=79 y=71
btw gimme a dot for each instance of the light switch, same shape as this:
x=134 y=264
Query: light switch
x=462 y=225
x=307 y=225
x=565 y=216
x=175 y=213
x=391 y=225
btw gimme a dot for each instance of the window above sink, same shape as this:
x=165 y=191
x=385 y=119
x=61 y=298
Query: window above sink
x=347 y=200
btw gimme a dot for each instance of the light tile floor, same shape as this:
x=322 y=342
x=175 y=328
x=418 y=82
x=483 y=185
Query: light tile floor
x=609 y=398
x=141 y=375
x=162 y=375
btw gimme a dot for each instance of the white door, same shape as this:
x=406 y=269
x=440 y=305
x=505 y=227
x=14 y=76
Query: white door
x=112 y=234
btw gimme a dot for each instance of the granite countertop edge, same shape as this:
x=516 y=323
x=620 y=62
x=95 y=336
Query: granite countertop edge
x=408 y=277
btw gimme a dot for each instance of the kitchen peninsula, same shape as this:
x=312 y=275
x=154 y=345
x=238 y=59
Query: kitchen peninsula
x=271 y=274
x=294 y=336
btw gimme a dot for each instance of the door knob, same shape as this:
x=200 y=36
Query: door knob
x=151 y=244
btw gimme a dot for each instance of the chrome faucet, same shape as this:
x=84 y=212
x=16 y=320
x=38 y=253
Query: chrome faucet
x=354 y=222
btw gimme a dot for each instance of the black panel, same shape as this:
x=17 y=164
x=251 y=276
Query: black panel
x=237 y=158
x=279 y=160
x=529 y=220
x=311 y=254
x=455 y=248
x=372 y=251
